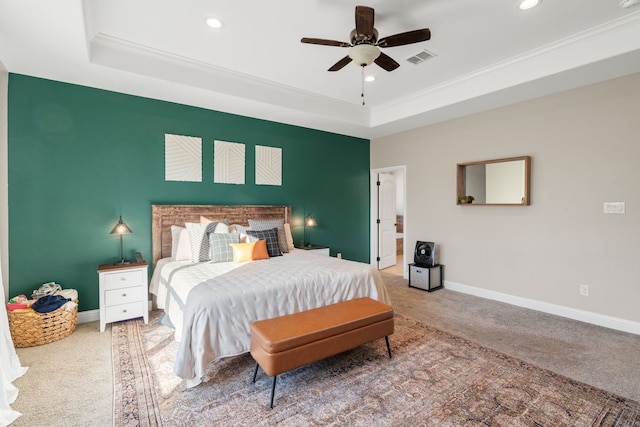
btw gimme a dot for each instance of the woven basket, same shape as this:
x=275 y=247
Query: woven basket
x=30 y=328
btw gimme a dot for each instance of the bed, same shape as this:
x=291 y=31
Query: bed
x=211 y=305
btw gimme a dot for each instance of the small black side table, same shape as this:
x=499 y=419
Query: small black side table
x=426 y=278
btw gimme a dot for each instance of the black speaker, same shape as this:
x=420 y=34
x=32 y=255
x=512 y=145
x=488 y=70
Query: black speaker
x=425 y=254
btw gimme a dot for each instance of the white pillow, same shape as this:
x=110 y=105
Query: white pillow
x=199 y=236
x=180 y=244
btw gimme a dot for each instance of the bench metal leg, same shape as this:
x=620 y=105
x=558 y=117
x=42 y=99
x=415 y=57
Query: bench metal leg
x=388 y=346
x=273 y=390
x=273 y=386
x=255 y=373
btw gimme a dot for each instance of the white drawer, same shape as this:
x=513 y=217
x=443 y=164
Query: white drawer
x=125 y=295
x=124 y=311
x=124 y=279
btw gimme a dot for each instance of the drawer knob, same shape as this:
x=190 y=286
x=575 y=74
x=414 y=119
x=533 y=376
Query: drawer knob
x=124 y=311
x=124 y=295
x=123 y=278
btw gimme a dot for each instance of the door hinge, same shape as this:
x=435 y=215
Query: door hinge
x=378 y=183
x=378 y=259
x=378 y=221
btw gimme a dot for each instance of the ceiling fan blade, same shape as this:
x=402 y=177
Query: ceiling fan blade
x=340 y=64
x=364 y=22
x=324 y=42
x=386 y=62
x=409 y=37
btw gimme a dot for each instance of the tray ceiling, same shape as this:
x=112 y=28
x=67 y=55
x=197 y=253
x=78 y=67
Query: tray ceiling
x=486 y=54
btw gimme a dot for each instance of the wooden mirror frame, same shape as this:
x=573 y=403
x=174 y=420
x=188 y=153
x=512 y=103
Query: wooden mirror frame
x=461 y=180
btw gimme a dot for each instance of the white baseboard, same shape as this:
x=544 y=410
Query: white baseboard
x=88 y=316
x=545 y=307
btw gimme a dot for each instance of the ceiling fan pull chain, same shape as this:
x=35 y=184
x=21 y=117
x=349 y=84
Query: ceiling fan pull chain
x=362 y=94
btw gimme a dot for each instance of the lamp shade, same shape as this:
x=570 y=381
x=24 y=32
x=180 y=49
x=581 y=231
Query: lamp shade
x=310 y=222
x=121 y=228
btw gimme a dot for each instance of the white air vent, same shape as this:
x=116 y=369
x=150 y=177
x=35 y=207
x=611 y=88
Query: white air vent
x=420 y=57
x=626 y=4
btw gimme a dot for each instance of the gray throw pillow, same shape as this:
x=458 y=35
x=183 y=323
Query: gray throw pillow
x=199 y=236
x=271 y=236
x=220 y=244
x=268 y=224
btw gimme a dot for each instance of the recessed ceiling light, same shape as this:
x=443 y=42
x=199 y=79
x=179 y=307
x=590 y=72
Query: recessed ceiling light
x=214 y=22
x=528 y=4
x=370 y=78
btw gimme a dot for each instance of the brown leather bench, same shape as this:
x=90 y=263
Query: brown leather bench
x=288 y=342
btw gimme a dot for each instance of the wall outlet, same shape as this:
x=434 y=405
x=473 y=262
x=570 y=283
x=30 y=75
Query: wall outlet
x=584 y=290
x=339 y=255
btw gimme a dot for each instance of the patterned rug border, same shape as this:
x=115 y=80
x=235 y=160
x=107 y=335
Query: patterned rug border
x=136 y=400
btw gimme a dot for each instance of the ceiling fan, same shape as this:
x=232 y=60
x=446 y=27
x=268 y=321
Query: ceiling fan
x=365 y=43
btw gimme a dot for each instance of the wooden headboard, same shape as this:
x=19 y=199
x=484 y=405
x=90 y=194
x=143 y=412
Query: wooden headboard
x=164 y=216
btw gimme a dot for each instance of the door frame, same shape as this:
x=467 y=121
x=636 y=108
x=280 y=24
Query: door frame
x=374 y=215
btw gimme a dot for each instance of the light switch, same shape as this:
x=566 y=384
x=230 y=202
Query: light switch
x=613 y=207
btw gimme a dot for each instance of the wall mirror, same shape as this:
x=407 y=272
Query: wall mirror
x=494 y=182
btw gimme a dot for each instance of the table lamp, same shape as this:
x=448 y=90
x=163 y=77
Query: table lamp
x=308 y=222
x=121 y=228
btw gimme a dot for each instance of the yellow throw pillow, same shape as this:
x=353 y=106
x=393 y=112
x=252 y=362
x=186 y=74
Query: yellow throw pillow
x=243 y=252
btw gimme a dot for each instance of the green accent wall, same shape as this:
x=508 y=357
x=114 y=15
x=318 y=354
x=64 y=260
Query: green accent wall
x=80 y=157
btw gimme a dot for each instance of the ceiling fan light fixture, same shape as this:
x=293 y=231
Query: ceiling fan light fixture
x=370 y=79
x=528 y=4
x=214 y=22
x=364 y=54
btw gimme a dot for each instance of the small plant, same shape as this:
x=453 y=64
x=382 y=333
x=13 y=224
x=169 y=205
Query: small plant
x=466 y=199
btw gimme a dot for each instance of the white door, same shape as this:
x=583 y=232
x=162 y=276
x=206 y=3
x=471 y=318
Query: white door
x=386 y=220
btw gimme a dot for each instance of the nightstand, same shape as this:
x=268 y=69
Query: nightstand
x=316 y=249
x=123 y=292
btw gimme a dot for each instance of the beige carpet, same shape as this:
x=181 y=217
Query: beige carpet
x=69 y=382
x=434 y=378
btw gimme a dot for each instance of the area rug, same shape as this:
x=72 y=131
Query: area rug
x=433 y=378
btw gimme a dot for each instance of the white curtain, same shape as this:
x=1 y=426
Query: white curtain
x=10 y=367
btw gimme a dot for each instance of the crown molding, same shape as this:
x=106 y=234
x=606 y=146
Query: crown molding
x=605 y=41
x=513 y=80
x=113 y=52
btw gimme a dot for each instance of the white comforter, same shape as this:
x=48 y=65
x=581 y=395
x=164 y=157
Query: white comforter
x=212 y=305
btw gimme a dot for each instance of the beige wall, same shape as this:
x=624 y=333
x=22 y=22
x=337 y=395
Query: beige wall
x=585 y=149
x=4 y=206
